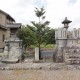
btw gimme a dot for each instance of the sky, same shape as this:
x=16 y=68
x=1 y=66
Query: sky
x=56 y=11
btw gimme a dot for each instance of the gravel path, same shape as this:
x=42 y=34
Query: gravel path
x=39 y=71
x=40 y=75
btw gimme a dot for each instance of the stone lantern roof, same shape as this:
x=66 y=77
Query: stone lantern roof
x=66 y=21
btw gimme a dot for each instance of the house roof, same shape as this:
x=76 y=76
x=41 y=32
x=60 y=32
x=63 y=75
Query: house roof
x=2 y=27
x=14 y=25
x=7 y=15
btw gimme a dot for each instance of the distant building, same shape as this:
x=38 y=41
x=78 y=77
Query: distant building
x=8 y=28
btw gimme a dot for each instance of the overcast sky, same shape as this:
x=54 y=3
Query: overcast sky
x=56 y=10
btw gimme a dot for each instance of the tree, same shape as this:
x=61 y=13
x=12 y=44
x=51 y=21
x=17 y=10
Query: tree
x=39 y=28
x=27 y=36
x=50 y=36
x=40 y=13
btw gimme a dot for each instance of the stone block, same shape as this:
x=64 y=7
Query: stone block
x=37 y=54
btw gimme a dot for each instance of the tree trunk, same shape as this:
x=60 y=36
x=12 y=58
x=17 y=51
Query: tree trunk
x=39 y=19
x=39 y=52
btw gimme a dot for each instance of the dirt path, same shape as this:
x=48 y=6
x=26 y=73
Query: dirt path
x=40 y=75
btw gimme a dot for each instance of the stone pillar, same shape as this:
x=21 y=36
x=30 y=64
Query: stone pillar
x=78 y=32
x=37 y=54
x=74 y=33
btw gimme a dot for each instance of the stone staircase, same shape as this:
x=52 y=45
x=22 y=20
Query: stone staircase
x=72 y=55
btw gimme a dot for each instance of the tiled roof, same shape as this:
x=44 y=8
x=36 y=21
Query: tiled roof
x=8 y=16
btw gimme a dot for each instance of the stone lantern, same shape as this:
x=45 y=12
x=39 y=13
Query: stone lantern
x=66 y=22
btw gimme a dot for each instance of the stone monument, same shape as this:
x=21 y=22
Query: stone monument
x=61 y=38
x=12 y=50
x=68 y=44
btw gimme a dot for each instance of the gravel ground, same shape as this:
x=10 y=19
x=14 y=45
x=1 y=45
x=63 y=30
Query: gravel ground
x=39 y=71
x=39 y=75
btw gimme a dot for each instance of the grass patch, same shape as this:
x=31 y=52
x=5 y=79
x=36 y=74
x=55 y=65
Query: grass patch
x=45 y=46
x=48 y=46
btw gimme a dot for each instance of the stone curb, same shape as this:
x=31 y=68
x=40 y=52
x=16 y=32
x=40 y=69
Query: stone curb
x=40 y=68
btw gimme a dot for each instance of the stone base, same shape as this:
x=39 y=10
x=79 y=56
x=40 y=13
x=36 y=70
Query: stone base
x=1 y=50
x=10 y=61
